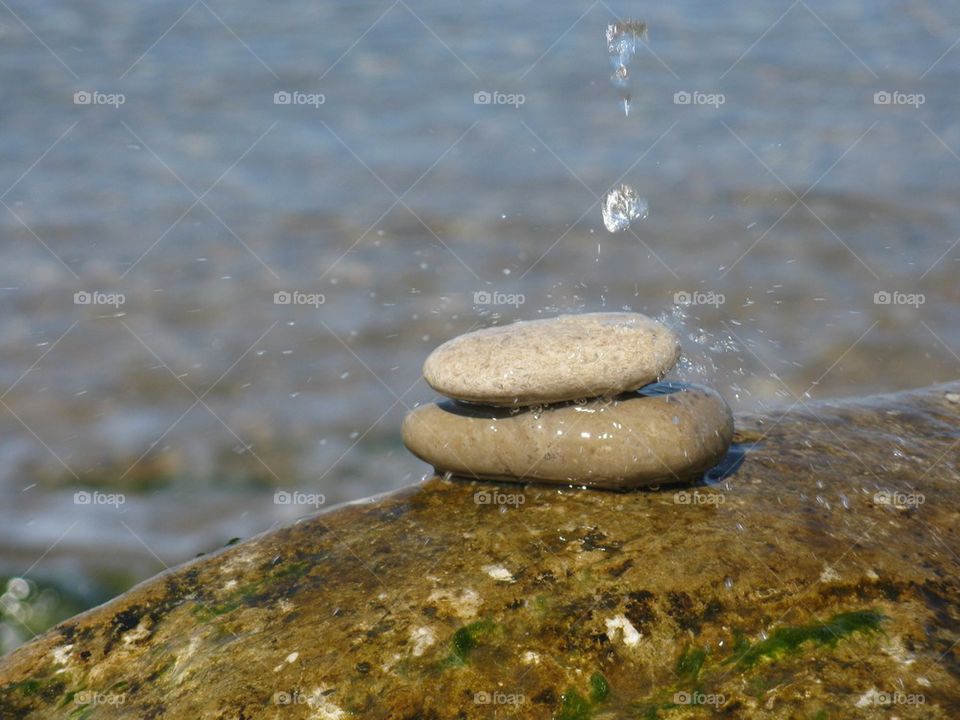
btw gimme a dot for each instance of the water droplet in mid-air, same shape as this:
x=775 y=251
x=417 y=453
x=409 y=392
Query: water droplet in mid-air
x=621 y=206
x=622 y=37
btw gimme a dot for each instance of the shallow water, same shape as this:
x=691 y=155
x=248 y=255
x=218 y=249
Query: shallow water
x=775 y=218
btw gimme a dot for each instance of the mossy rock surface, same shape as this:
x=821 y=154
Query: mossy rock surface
x=812 y=582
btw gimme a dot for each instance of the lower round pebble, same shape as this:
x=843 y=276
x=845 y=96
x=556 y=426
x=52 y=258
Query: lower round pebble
x=668 y=432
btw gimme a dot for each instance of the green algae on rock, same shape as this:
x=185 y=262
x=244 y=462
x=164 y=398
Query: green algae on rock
x=699 y=675
x=785 y=640
x=816 y=589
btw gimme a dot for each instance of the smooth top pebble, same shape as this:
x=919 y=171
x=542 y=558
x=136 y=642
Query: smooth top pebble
x=544 y=361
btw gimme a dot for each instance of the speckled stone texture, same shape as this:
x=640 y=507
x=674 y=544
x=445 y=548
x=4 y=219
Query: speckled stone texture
x=665 y=433
x=810 y=582
x=553 y=360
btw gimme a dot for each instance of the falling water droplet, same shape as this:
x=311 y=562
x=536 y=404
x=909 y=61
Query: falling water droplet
x=622 y=37
x=620 y=76
x=621 y=206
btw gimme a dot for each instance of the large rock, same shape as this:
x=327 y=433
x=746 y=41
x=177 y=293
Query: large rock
x=811 y=582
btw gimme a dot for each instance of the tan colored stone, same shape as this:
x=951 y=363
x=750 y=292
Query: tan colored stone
x=667 y=433
x=553 y=360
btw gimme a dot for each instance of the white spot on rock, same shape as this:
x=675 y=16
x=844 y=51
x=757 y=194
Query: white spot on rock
x=618 y=625
x=463 y=603
x=292 y=657
x=869 y=698
x=531 y=658
x=829 y=575
x=498 y=573
x=422 y=638
x=390 y=662
x=323 y=707
x=61 y=655
x=184 y=657
x=899 y=653
x=138 y=633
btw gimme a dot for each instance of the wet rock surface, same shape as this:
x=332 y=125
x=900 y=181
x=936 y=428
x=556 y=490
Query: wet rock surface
x=818 y=579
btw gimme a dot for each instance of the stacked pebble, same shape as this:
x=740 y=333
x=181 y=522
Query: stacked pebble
x=574 y=399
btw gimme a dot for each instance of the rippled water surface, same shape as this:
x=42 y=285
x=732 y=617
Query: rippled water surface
x=296 y=202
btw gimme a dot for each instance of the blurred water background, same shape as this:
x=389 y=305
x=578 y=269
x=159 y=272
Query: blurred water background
x=784 y=194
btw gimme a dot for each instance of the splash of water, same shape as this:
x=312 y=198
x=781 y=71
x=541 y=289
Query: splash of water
x=622 y=39
x=621 y=206
x=699 y=362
